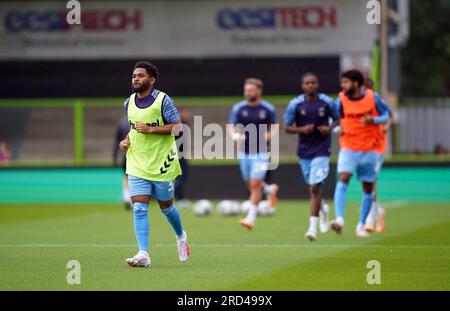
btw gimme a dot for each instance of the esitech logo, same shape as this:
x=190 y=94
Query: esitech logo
x=313 y=17
x=55 y=21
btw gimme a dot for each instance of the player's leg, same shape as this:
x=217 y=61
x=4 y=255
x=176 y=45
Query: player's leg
x=164 y=193
x=257 y=171
x=347 y=160
x=375 y=212
x=305 y=166
x=125 y=187
x=378 y=211
x=320 y=168
x=255 y=187
x=180 y=183
x=271 y=191
x=371 y=218
x=140 y=191
x=367 y=175
x=315 y=194
x=245 y=168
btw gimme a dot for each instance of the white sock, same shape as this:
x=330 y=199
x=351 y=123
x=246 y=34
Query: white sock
x=181 y=237
x=323 y=207
x=252 y=213
x=359 y=227
x=313 y=221
x=267 y=189
x=142 y=252
x=376 y=210
x=372 y=215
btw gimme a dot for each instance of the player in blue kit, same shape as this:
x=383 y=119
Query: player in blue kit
x=361 y=112
x=309 y=116
x=253 y=154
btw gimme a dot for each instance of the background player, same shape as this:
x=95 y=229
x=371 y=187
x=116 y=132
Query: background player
x=361 y=110
x=181 y=180
x=253 y=165
x=308 y=115
x=375 y=220
x=152 y=161
x=122 y=130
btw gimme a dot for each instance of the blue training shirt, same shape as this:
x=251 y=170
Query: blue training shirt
x=301 y=112
x=169 y=111
x=262 y=114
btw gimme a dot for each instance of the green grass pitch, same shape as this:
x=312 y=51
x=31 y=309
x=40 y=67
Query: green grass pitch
x=37 y=241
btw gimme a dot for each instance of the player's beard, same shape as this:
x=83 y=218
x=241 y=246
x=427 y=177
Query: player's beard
x=141 y=88
x=350 y=92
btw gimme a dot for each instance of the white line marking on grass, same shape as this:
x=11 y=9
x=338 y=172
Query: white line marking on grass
x=51 y=245
x=394 y=204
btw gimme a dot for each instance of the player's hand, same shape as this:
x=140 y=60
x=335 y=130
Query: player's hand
x=124 y=144
x=143 y=128
x=308 y=129
x=367 y=119
x=324 y=129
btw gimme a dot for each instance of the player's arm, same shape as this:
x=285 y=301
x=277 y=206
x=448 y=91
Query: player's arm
x=289 y=120
x=125 y=144
x=304 y=130
x=170 y=115
x=272 y=131
x=231 y=125
x=382 y=110
x=334 y=115
x=116 y=146
x=388 y=125
x=161 y=130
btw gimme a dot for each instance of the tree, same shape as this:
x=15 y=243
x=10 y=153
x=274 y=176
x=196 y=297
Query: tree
x=425 y=58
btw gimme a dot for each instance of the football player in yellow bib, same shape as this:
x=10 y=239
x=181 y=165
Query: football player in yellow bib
x=152 y=159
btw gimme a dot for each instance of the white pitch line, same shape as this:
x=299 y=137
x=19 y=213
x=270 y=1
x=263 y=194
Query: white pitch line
x=342 y=246
x=394 y=204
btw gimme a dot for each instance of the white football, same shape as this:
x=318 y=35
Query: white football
x=228 y=208
x=264 y=209
x=202 y=207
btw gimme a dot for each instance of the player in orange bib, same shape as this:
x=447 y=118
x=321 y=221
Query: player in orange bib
x=361 y=111
x=375 y=220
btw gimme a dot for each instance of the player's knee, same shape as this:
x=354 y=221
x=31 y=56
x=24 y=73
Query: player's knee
x=345 y=177
x=255 y=185
x=140 y=199
x=165 y=204
x=314 y=190
x=368 y=187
